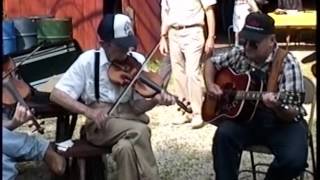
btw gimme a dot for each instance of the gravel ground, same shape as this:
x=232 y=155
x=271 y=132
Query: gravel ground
x=181 y=153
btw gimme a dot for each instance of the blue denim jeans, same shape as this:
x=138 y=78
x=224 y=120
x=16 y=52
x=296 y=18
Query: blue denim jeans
x=18 y=147
x=288 y=142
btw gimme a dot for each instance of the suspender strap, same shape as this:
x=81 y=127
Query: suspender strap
x=96 y=74
x=276 y=69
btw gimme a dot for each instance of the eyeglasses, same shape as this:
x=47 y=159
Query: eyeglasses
x=252 y=44
x=119 y=48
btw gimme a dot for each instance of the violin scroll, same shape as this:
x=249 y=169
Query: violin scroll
x=40 y=129
x=183 y=105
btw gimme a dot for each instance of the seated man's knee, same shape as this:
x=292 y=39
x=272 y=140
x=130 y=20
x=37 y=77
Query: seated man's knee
x=294 y=162
x=141 y=130
x=9 y=170
x=225 y=131
x=123 y=146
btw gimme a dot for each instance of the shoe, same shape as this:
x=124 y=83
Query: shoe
x=185 y=119
x=55 y=162
x=197 y=122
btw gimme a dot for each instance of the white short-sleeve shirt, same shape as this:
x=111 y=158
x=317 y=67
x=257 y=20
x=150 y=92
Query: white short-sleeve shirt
x=78 y=80
x=185 y=12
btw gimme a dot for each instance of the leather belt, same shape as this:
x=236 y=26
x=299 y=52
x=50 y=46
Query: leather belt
x=185 y=27
x=238 y=2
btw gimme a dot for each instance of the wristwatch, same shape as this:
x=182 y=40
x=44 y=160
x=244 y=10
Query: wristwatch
x=164 y=35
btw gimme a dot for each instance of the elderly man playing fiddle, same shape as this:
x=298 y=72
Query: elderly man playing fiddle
x=126 y=130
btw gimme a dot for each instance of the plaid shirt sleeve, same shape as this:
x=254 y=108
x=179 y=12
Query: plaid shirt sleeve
x=292 y=82
x=226 y=59
x=292 y=77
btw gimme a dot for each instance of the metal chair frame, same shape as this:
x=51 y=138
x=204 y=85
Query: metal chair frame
x=310 y=99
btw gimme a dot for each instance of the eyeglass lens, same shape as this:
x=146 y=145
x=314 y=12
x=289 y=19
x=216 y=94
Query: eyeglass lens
x=252 y=44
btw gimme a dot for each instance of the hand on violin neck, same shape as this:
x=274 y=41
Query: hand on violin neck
x=21 y=115
x=164 y=98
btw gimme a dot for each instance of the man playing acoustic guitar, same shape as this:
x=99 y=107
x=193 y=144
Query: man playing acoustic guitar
x=276 y=121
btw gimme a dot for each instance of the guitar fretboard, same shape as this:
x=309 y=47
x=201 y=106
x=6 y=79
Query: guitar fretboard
x=248 y=95
x=284 y=97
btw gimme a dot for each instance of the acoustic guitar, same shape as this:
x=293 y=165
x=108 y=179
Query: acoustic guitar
x=240 y=98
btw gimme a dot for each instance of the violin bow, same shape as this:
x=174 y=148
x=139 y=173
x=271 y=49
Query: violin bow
x=24 y=59
x=133 y=80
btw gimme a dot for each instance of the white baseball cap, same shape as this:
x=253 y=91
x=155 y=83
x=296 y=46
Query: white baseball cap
x=118 y=29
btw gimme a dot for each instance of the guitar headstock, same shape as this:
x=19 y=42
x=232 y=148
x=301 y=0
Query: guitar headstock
x=292 y=98
x=184 y=105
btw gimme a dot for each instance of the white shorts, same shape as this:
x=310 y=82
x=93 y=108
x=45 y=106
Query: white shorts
x=240 y=13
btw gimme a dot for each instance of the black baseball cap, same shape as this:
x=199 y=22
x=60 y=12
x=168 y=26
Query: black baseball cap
x=118 y=29
x=257 y=26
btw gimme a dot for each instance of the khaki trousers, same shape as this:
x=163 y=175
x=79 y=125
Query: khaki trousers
x=130 y=137
x=186 y=47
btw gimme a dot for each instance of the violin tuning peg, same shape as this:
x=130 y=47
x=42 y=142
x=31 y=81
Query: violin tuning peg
x=183 y=99
x=33 y=111
x=183 y=113
x=30 y=124
x=188 y=103
x=42 y=123
x=179 y=109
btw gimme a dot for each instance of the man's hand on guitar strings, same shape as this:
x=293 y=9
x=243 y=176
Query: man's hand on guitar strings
x=214 y=90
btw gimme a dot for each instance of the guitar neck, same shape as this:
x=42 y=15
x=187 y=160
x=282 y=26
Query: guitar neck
x=284 y=97
x=249 y=95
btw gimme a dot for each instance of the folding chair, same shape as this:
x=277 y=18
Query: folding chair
x=310 y=99
x=85 y=160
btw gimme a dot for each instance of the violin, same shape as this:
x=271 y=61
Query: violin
x=147 y=84
x=15 y=90
x=23 y=89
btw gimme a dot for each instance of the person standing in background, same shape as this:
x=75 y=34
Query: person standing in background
x=290 y=5
x=241 y=10
x=183 y=37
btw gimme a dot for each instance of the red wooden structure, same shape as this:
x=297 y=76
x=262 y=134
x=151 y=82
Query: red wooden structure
x=146 y=15
x=87 y=14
